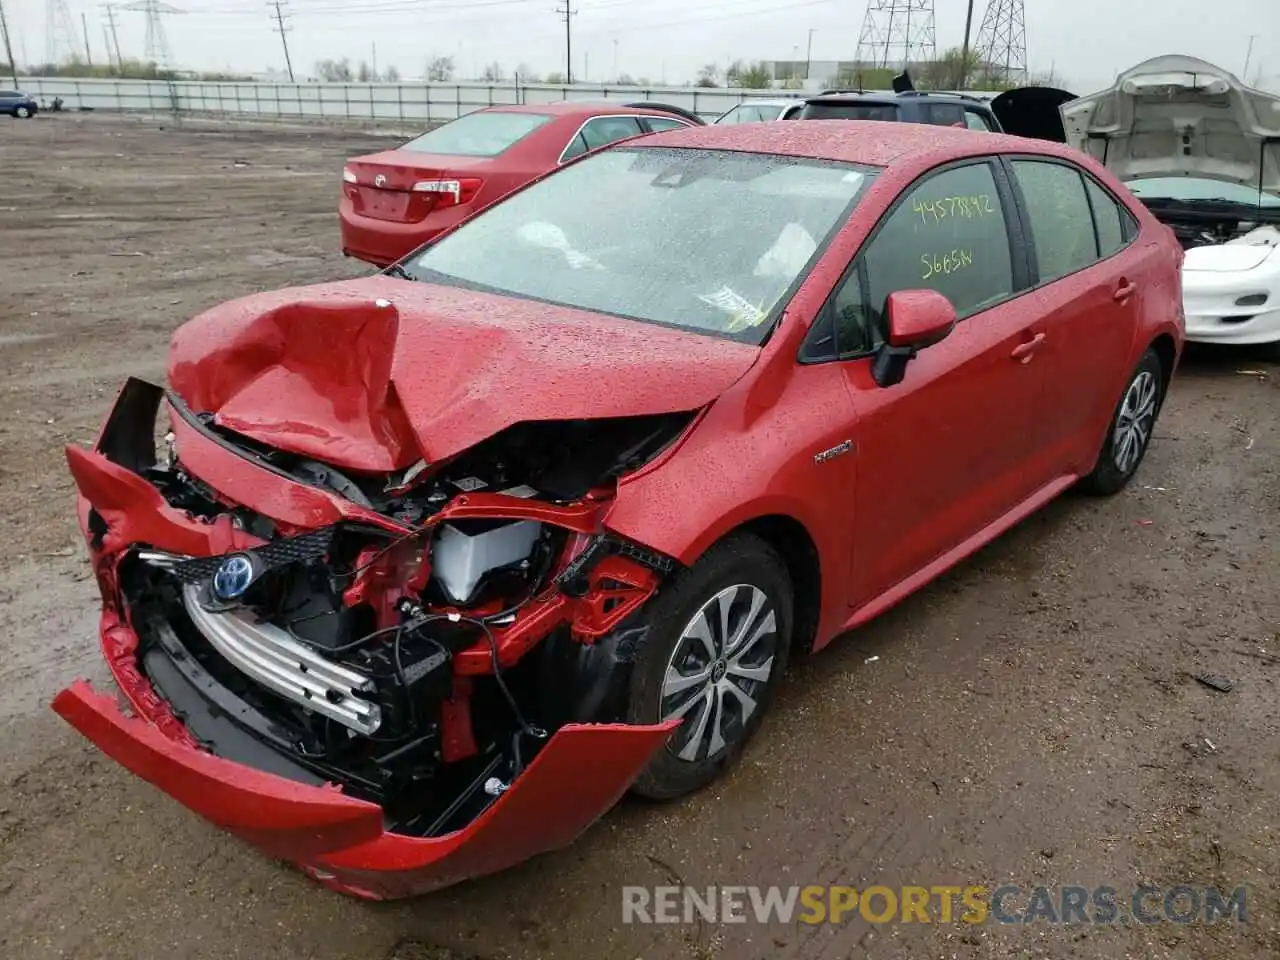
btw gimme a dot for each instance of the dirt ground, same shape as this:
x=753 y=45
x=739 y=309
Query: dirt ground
x=1031 y=718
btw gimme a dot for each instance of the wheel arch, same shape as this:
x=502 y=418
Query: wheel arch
x=794 y=544
x=1166 y=351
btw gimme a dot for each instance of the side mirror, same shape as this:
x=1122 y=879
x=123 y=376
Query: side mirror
x=916 y=319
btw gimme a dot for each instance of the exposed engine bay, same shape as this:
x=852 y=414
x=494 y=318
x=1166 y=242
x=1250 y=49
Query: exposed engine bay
x=1206 y=223
x=419 y=651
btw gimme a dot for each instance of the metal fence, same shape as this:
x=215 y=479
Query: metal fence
x=359 y=101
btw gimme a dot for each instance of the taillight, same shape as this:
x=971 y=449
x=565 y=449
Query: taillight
x=349 y=175
x=450 y=193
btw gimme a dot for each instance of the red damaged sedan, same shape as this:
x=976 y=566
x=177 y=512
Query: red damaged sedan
x=397 y=200
x=431 y=567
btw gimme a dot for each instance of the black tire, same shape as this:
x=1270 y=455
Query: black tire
x=1116 y=465
x=750 y=564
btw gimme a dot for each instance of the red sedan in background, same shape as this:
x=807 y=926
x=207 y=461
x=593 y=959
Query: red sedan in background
x=397 y=200
x=434 y=565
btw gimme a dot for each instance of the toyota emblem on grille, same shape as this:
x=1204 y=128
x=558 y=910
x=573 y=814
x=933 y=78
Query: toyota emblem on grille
x=233 y=577
x=380 y=180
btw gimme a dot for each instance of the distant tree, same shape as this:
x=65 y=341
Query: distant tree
x=708 y=76
x=392 y=75
x=526 y=74
x=492 y=73
x=733 y=73
x=626 y=80
x=643 y=82
x=334 y=71
x=755 y=77
x=866 y=78
x=555 y=78
x=440 y=69
x=364 y=74
x=949 y=71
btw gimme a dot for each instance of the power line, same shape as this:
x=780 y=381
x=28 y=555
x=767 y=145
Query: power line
x=284 y=40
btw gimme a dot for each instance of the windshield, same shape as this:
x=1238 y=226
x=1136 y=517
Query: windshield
x=1199 y=188
x=482 y=134
x=704 y=240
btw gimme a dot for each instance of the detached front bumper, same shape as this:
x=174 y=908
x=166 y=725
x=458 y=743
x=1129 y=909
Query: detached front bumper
x=339 y=840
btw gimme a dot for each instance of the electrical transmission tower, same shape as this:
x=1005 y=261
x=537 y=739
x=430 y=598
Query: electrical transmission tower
x=896 y=33
x=59 y=31
x=157 y=46
x=1002 y=40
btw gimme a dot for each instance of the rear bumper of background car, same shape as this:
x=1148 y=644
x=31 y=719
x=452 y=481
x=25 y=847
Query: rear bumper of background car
x=339 y=840
x=383 y=242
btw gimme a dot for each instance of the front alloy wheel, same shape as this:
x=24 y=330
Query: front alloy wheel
x=723 y=659
x=715 y=648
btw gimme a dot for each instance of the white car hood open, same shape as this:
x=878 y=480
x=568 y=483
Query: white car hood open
x=1179 y=116
x=1236 y=256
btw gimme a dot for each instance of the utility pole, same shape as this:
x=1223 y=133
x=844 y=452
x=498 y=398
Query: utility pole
x=8 y=48
x=615 y=60
x=964 y=51
x=808 y=55
x=115 y=38
x=84 y=25
x=284 y=40
x=1247 y=57
x=568 y=14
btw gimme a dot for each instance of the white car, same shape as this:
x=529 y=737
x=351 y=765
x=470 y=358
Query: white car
x=757 y=111
x=1202 y=151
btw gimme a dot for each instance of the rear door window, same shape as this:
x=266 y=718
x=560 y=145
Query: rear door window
x=485 y=133
x=600 y=131
x=655 y=124
x=1059 y=216
x=944 y=114
x=1109 y=218
x=976 y=121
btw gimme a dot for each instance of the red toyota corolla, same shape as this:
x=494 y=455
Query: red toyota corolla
x=431 y=567
x=397 y=200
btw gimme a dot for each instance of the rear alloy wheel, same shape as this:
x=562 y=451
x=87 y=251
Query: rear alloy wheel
x=22 y=113
x=1129 y=435
x=716 y=648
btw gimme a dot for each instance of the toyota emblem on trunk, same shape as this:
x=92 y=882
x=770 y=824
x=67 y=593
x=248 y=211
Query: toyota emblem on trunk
x=233 y=577
x=380 y=180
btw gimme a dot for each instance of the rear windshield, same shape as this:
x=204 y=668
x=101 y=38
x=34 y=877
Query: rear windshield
x=483 y=134
x=850 y=111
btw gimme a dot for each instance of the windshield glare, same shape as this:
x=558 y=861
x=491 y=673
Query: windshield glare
x=1198 y=188
x=710 y=241
x=485 y=133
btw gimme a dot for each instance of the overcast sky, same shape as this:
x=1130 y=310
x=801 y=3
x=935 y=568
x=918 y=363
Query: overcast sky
x=1086 y=41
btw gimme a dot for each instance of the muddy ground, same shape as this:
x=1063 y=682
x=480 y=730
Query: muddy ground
x=1031 y=718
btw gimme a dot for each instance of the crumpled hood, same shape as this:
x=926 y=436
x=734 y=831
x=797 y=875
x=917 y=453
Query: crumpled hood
x=374 y=374
x=1179 y=116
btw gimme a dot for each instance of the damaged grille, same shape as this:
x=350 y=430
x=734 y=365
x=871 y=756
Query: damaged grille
x=312 y=545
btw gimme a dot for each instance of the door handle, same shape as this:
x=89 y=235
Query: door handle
x=1023 y=351
x=1125 y=290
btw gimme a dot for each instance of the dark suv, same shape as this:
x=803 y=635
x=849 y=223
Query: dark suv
x=17 y=104
x=914 y=106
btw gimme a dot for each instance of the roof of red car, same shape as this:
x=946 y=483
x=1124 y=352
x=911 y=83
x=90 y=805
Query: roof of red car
x=871 y=142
